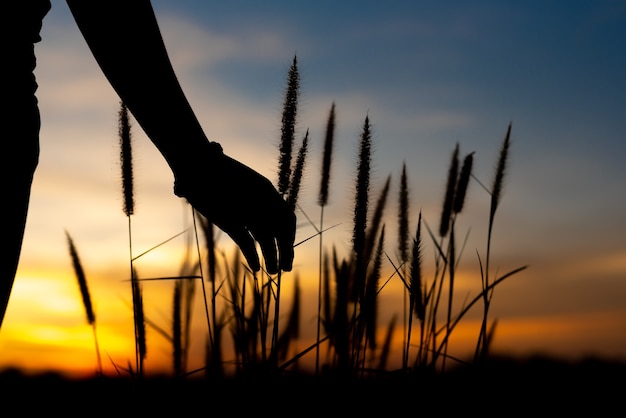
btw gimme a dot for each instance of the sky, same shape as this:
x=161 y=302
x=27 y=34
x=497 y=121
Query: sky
x=428 y=75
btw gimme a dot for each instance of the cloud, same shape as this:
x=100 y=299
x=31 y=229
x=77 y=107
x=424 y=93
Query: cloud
x=191 y=45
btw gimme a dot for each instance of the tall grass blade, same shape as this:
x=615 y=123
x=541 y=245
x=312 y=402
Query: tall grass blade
x=340 y=328
x=140 y=323
x=386 y=348
x=370 y=306
x=177 y=344
x=291 y=333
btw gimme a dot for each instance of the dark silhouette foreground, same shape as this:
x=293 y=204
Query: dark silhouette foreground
x=539 y=385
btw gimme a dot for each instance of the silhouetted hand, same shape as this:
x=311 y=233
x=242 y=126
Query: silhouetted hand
x=245 y=205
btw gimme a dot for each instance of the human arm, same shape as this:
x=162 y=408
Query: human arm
x=126 y=41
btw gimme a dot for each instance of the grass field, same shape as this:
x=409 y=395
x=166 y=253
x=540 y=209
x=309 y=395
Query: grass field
x=352 y=377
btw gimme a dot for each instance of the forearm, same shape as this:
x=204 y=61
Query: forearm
x=125 y=40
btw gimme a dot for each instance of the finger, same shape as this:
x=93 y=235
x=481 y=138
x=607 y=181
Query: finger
x=285 y=241
x=268 y=248
x=246 y=243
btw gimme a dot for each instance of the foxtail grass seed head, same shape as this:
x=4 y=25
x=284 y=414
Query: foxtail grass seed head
x=327 y=157
x=403 y=216
x=498 y=180
x=463 y=183
x=377 y=218
x=296 y=180
x=288 y=126
x=415 y=283
x=446 y=212
x=126 y=158
x=82 y=281
x=362 y=188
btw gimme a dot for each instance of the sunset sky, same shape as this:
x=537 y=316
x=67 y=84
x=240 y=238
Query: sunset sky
x=428 y=75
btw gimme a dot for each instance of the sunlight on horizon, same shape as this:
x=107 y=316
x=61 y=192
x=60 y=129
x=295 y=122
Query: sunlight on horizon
x=46 y=326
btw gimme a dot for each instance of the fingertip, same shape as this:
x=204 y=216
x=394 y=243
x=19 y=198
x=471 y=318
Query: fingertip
x=286 y=257
x=247 y=247
x=285 y=245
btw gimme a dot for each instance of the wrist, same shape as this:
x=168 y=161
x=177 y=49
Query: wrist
x=198 y=164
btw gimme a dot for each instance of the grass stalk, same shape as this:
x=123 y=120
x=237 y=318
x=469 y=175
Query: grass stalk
x=126 y=161
x=177 y=344
x=322 y=202
x=403 y=247
x=496 y=191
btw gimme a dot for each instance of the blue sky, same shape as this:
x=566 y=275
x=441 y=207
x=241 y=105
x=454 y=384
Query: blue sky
x=428 y=75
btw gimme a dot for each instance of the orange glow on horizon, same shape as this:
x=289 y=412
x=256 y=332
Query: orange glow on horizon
x=45 y=327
